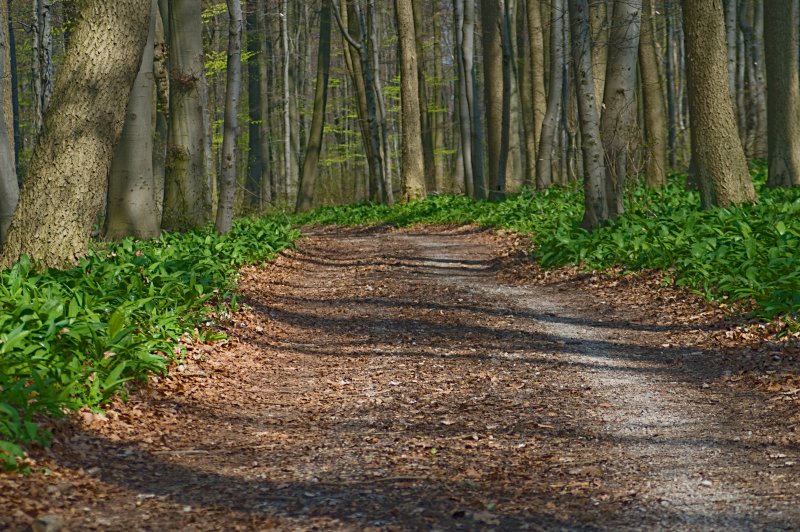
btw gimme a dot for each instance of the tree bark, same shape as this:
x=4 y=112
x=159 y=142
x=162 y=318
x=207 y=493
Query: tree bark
x=227 y=188
x=595 y=206
x=413 y=167
x=536 y=80
x=187 y=192
x=66 y=177
x=9 y=187
x=305 y=193
x=425 y=118
x=544 y=164
x=655 y=114
x=42 y=44
x=255 y=163
x=782 y=21
x=494 y=87
x=131 y=208
x=618 y=120
x=717 y=154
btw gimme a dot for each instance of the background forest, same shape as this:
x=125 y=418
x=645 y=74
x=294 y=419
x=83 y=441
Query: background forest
x=310 y=111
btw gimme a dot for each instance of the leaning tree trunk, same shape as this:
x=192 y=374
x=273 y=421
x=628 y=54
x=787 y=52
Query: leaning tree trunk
x=308 y=179
x=233 y=88
x=782 y=21
x=595 y=206
x=132 y=209
x=413 y=167
x=717 y=153
x=187 y=194
x=67 y=173
x=618 y=120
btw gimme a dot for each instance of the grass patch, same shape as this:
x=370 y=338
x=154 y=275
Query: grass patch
x=72 y=339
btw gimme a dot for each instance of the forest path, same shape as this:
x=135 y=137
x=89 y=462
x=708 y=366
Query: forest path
x=422 y=379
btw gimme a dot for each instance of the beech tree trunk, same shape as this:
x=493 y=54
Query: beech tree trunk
x=187 y=191
x=655 y=113
x=412 y=170
x=595 y=206
x=308 y=179
x=9 y=187
x=717 y=153
x=67 y=173
x=42 y=57
x=233 y=88
x=782 y=23
x=544 y=164
x=618 y=118
x=132 y=209
x=492 y=15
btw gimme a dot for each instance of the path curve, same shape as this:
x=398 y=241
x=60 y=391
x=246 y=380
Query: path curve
x=396 y=380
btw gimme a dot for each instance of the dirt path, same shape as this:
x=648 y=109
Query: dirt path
x=419 y=380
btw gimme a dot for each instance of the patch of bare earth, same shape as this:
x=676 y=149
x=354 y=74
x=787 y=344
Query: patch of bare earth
x=425 y=379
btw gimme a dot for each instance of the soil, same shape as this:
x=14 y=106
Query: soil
x=435 y=379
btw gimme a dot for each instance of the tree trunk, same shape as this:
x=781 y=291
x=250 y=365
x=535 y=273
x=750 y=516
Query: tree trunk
x=42 y=44
x=655 y=115
x=267 y=175
x=494 y=87
x=717 y=154
x=544 y=164
x=618 y=120
x=782 y=21
x=463 y=54
x=599 y=32
x=255 y=155
x=305 y=194
x=425 y=118
x=66 y=177
x=227 y=183
x=131 y=208
x=187 y=194
x=413 y=168
x=536 y=79
x=595 y=206
x=9 y=187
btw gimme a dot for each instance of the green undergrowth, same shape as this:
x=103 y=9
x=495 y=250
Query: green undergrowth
x=73 y=339
x=749 y=253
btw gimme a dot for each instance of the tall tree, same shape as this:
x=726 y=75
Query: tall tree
x=66 y=177
x=544 y=164
x=42 y=45
x=233 y=88
x=782 y=31
x=255 y=154
x=413 y=168
x=595 y=206
x=655 y=113
x=618 y=120
x=9 y=188
x=717 y=153
x=131 y=208
x=469 y=121
x=308 y=179
x=187 y=187
x=496 y=91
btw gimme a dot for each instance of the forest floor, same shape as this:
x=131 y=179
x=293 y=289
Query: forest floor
x=435 y=379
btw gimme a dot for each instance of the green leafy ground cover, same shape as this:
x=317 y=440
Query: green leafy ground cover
x=72 y=339
x=749 y=253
